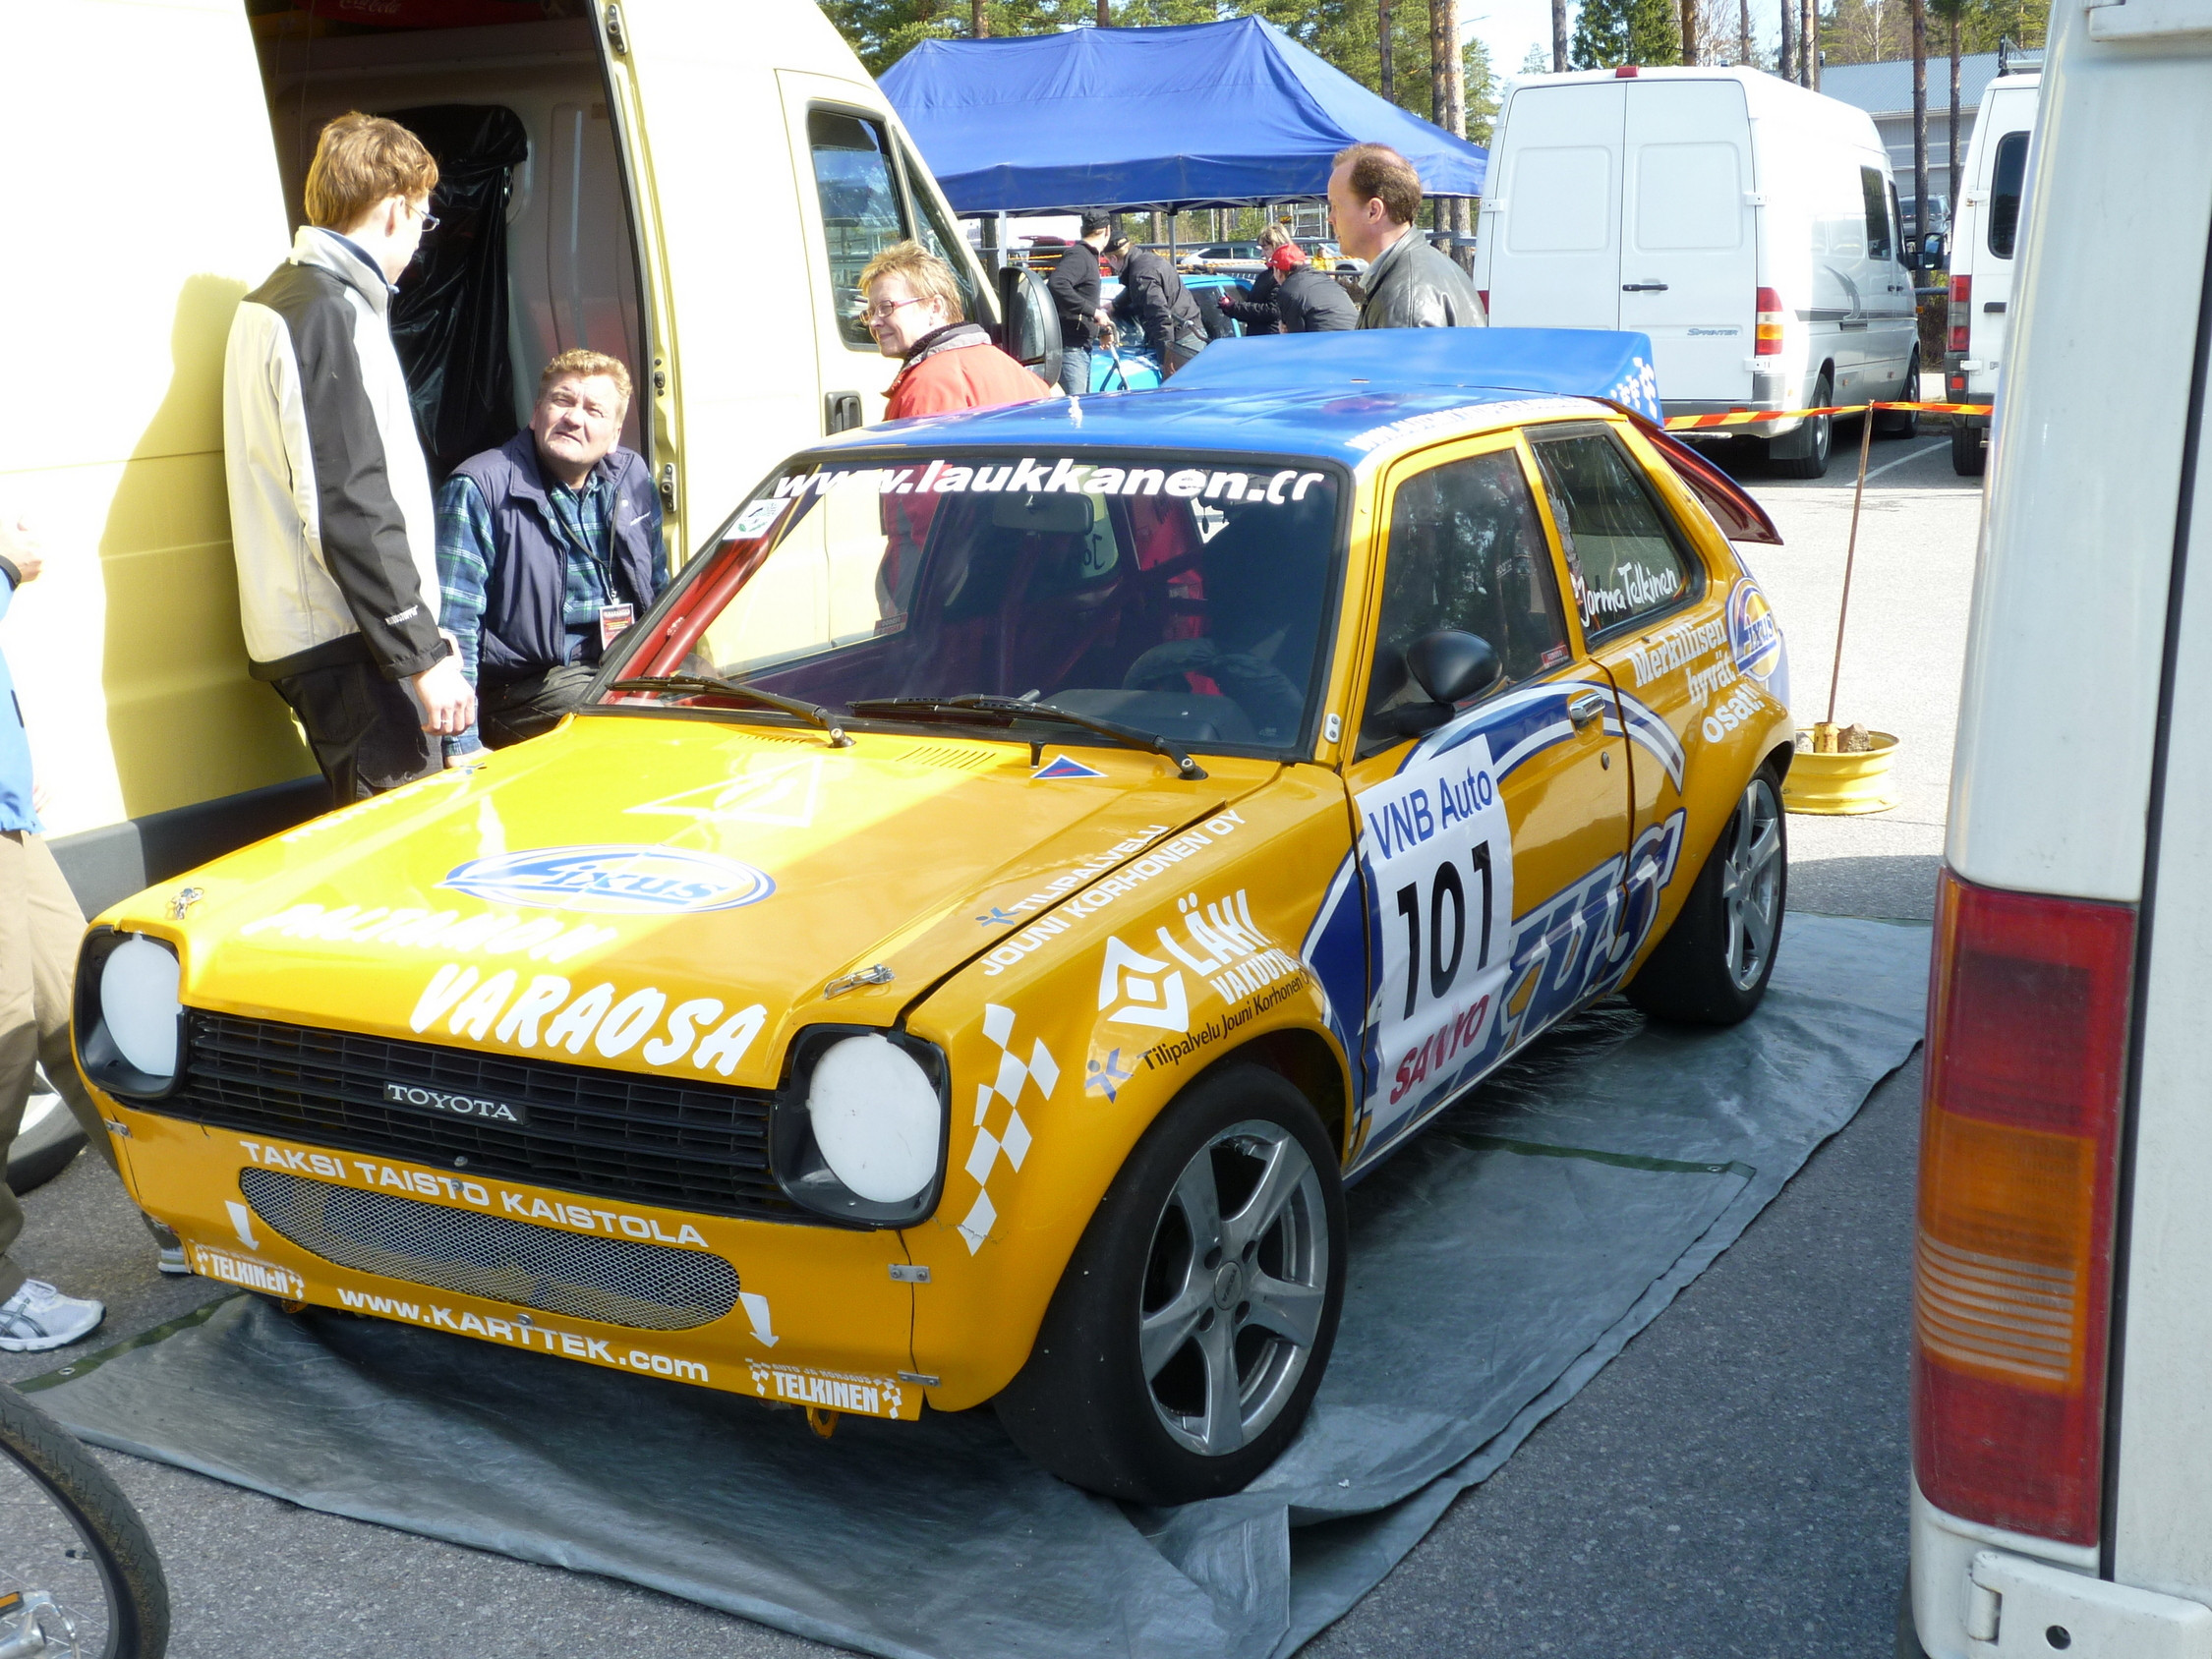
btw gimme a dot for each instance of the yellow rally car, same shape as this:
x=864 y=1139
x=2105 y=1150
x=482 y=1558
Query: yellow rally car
x=1024 y=868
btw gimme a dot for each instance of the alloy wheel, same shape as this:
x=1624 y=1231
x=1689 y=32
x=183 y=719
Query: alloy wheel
x=1751 y=882
x=1233 y=1288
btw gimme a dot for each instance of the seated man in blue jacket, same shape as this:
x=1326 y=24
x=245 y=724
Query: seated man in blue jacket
x=547 y=547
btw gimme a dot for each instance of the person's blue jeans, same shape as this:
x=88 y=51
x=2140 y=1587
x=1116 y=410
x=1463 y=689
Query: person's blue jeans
x=1074 y=371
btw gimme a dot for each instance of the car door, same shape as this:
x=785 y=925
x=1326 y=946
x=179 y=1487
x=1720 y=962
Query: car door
x=1491 y=836
x=1555 y=260
x=1687 y=261
x=1650 y=620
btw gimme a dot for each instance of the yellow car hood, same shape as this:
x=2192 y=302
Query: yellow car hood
x=666 y=863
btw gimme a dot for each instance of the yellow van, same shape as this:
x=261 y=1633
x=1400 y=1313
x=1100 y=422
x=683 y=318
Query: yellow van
x=699 y=184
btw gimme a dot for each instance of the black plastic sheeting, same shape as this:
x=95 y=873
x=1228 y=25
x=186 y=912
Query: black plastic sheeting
x=450 y=321
x=1497 y=1264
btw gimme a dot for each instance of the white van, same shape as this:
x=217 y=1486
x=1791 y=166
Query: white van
x=690 y=185
x=1747 y=226
x=2062 y=1445
x=1981 y=258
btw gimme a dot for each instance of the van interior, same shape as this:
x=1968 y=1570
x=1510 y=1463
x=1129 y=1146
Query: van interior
x=534 y=252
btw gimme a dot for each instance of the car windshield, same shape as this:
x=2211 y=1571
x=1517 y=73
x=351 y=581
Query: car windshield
x=1185 y=598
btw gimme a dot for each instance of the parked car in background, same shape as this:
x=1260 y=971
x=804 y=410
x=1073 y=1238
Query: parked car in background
x=1749 y=227
x=1218 y=251
x=1982 y=258
x=2061 y=1453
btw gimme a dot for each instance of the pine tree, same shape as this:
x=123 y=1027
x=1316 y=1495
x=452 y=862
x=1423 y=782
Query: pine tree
x=1611 y=32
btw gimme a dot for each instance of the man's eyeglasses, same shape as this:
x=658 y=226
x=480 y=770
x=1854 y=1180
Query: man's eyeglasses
x=429 y=220
x=882 y=313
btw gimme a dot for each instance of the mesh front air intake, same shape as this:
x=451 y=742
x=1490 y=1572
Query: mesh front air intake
x=610 y=1280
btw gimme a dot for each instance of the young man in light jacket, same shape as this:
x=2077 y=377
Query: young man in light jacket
x=329 y=500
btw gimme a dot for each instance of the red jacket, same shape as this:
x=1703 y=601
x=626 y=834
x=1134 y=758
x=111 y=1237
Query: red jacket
x=962 y=376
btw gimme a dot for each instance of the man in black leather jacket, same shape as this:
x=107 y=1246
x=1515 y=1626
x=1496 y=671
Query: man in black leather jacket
x=1153 y=297
x=1374 y=195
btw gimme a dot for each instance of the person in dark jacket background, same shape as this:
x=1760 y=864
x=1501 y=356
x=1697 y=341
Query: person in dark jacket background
x=1306 y=301
x=547 y=547
x=1153 y=298
x=1073 y=286
x=1256 y=310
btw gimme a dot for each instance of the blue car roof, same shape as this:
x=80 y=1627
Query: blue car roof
x=1348 y=395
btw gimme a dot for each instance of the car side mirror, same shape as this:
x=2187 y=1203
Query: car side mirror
x=1452 y=667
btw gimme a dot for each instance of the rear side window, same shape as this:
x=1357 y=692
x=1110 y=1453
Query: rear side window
x=2004 y=193
x=862 y=214
x=1626 y=559
x=1467 y=552
x=1874 y=188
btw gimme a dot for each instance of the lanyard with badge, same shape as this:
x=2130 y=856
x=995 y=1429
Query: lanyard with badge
x=613 y=618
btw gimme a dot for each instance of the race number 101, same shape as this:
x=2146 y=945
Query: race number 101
x=1446 y=907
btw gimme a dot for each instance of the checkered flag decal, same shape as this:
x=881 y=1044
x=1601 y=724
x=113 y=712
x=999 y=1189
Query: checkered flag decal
x=1012 y=1137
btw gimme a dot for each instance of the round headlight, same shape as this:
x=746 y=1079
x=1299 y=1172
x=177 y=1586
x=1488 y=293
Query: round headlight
x=875 y=1118
x=140 y=1006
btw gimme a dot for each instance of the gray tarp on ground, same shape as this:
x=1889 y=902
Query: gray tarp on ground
x=1497 y=1264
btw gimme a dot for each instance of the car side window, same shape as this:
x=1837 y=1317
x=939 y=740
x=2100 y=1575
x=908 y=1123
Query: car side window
x=1467 y=552
x=1877 y=196
x=1626 y=560
x=2005 y=180
x=862 y=212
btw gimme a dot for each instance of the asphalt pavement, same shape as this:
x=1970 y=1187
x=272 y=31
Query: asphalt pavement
x=1733 y=1484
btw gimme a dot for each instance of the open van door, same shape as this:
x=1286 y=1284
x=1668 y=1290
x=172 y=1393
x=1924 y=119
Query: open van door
x=1556 y=259
x=1688 y=263
x=1031 y=335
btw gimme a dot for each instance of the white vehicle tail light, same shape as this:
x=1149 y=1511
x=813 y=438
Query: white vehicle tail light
x=1960 y=316
x=1767 y=327
x=2027 y=1044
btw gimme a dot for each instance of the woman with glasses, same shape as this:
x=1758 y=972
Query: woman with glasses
x=914 y=312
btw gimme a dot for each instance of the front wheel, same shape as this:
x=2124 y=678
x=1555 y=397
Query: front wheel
x=1713 y=966
x=1191 y=1327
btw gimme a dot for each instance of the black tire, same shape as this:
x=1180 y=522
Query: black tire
x=1904 y=423
x=1815 y=438
x=110 y=1530
x=1969 y=450
x=43 y=1150
x=1713 y=966
x=1084 y=1405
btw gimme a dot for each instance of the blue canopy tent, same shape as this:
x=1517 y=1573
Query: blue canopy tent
x=1205 y=115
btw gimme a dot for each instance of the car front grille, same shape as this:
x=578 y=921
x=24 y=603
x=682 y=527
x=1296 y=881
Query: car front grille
x=668 y=1142
x=611 y=1281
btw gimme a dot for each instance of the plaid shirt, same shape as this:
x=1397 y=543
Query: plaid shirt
x=585 y=518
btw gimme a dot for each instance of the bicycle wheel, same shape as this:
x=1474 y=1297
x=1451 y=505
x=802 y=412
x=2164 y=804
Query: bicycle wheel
x=76 y=1564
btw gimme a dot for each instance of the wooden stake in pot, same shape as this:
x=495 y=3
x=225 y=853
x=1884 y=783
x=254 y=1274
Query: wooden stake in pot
x=1824 y=732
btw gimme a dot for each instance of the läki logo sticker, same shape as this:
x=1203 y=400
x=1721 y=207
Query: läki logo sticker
x=1066 y=765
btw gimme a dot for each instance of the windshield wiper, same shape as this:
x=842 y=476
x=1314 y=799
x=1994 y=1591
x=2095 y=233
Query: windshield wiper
x=1009 y=709
x=813 y=714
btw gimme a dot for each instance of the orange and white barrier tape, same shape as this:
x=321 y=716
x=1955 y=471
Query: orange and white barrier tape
x=1745 y=417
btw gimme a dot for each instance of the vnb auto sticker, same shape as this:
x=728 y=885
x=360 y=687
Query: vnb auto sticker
x=649 y=881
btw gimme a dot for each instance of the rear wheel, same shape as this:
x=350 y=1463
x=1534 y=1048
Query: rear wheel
x=1902 y=423
x=1713 y=966
x=1804 y=453
x=1188 y=1335
x=1969 y=450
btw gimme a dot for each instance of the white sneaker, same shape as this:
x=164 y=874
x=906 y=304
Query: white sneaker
x=38 y=1317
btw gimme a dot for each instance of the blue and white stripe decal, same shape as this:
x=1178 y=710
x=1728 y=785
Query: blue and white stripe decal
x=1526 y=721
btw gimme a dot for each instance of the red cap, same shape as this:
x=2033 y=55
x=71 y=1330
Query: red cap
x=1281 y=260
